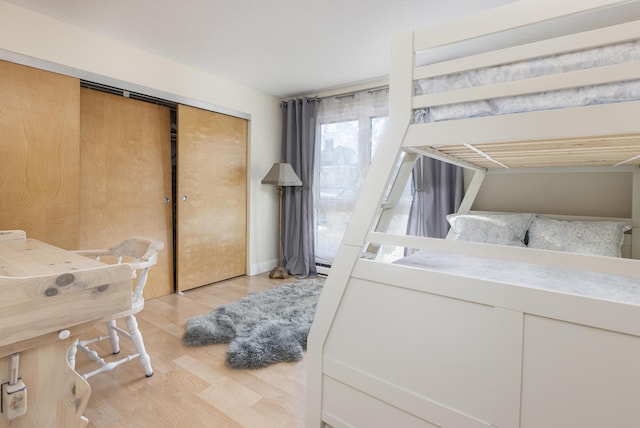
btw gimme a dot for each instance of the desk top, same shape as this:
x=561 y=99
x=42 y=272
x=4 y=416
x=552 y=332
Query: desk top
x=44 y=289
x=30 y=257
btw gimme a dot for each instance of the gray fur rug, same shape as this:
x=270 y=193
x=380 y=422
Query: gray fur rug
x=262 y=328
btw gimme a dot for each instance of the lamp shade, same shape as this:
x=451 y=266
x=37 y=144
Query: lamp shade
x=282 y=174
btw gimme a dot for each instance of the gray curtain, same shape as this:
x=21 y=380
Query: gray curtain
x=298 y=149
x=437 y=191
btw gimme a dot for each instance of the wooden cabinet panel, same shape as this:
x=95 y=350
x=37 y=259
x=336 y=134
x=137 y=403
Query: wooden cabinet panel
x=212 y=180
x=86 y=169
x=125 y=174
x=39 y=151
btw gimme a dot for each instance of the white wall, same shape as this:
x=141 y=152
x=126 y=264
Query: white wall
x=36 y=40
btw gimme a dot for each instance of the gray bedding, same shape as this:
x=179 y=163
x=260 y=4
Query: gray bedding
x=615 y=288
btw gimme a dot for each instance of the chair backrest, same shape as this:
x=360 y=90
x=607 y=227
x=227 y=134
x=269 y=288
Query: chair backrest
x=139 y=248
x=141 y=253
x=138 y=252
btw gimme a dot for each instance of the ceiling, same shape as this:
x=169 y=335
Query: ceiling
x=281 y=47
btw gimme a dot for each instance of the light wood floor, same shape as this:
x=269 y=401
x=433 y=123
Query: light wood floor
x=191 y=387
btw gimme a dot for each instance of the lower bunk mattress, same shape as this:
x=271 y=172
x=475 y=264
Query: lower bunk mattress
x=616 y=288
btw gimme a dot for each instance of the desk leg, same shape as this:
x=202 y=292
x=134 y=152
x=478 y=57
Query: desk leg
x=56 y=394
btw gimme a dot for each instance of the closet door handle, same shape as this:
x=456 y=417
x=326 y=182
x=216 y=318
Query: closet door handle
x=166 y=200
x=184 y=197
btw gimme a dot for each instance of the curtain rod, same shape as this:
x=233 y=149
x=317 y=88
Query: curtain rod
x=371 y=85
x=368 y=91
x=308 y=99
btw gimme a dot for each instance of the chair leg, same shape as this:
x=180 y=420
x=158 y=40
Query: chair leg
x=113 y=336
x=136 y=337
x=71 y=354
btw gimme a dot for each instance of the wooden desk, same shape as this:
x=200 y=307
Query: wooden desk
x=47 y=297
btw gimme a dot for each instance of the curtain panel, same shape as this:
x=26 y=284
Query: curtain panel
x=298 y=149
x=438 y=189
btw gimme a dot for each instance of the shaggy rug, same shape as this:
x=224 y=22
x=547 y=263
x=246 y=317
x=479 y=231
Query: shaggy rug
x=262 y=328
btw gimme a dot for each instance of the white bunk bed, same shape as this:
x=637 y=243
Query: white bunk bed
x=409 y=344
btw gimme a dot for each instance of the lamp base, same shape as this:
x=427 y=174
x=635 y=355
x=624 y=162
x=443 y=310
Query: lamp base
x=279 y=272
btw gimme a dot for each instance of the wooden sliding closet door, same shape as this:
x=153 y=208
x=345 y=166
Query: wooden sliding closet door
x=39 y=153
x=212 y=197
x=125 y=173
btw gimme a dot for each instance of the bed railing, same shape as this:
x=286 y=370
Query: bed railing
x=596 y=134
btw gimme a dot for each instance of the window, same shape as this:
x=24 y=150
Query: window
x=349 y=129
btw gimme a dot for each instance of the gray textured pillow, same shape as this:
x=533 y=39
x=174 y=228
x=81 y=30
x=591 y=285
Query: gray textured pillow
x=602 y=238
x=502 y=229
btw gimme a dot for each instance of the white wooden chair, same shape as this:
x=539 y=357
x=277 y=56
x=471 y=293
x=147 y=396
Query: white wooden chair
x=140 y=253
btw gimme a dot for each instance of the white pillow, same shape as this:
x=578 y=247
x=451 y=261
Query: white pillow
x=602 y=238
x=502 y=229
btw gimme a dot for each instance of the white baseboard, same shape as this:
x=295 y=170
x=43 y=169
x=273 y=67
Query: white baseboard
x=258 y=268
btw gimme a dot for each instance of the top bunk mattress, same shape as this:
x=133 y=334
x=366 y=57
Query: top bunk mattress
x=615 y=288
x=604 y=56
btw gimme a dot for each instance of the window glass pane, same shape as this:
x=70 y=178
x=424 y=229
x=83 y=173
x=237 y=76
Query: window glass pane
x=378 y=124
x=339 y=178
x=347 y=132
x=339 y=160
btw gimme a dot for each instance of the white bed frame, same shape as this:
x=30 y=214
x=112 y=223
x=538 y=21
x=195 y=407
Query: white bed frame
x=398 y=346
